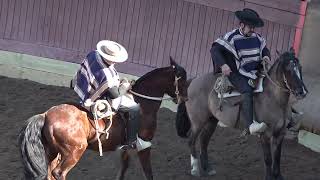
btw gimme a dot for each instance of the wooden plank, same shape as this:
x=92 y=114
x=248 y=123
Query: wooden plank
x=15 y=25
x=196 y=61
x=111 y=17
x=292 y=6
x=128 y=30
x=134 y=35
x=228 y=5
x=280 y=39
x=4 y=17
x=78 y=19
x=65 y=24
x=28 y=21
x=138 y=40
x=171 y=28
x=145 y=32
x=122 y=23
x=273 y=15
x=9 y=23
x=88 y=42
x=47 y=23
x=193 y=38
x=182 y=31
x=104 y=19
x=286 y=39
x=152 y=32
x=116 y=20
x=72 y=24
x=41 y=21
x=275 y=37
x=31 y=36
x=60 y=21
x=155 y=59
x=269 y=36
x=84 y=26
x=163 y=7
x=23 y=5
x=209 y=15
x=176 y=31
x=292 y=34
x=162 y=58
x=99 y=15
x=212 y=36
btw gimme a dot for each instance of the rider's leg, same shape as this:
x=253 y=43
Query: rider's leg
x=241 y=84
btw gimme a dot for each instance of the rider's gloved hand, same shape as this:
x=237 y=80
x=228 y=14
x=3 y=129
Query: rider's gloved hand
x=88 y=103
x=225 y=70
x=124 y=88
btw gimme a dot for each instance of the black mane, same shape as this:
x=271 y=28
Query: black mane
x=149 y=74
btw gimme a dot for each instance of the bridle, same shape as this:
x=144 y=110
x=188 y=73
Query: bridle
x=265 y=72
x=176 y=84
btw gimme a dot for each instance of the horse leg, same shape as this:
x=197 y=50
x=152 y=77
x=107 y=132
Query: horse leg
x=205 y=136
x=53 y=162
x=195 y=164
x=124 y=164
x=146 y=133
x=144 y=157
x=69 y=158
x=266 y=146
x=276 y=152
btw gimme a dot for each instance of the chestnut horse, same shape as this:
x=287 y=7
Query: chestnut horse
x=52 y=143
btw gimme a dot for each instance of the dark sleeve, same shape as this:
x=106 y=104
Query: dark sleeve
x=220 y=56
x=266 y=52
x=112 y=92
x=217 y=55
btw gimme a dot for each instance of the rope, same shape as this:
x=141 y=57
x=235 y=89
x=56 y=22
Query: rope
x=265 y=72
x=221 y=86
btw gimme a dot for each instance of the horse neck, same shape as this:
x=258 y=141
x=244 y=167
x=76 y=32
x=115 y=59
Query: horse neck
x=155 y=83
x=273 y=91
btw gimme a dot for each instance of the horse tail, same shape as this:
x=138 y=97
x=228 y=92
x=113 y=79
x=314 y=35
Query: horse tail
x=32 y=150
x=183 y=124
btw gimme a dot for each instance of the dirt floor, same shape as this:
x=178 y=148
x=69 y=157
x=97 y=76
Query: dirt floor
x=234 y=159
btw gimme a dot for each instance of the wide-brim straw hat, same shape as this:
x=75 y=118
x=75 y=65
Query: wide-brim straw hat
x=250 y=17
x=112 y=51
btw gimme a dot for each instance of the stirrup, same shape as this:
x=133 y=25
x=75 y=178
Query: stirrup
x=129 y=146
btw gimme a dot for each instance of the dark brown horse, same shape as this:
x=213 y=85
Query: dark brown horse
x=52 y=143
x=271 y=106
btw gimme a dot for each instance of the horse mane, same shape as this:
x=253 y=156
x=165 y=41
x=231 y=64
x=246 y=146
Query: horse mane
x=149 y=74
x=282 y=59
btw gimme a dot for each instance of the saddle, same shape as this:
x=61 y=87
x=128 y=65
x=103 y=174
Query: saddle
x=225 y=89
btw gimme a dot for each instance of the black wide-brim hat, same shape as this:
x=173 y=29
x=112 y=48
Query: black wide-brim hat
x=250 y=17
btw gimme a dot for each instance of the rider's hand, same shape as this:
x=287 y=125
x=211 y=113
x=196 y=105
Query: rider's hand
x=124 y=87
x=267 y=59
x=88 y=103
x=225 y=69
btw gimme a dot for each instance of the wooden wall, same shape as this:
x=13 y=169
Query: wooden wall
x=151 y=30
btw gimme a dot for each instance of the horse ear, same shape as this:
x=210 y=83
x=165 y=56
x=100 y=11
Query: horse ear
x=172 y=62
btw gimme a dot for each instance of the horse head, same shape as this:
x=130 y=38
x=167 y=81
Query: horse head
x=291 y=73
x=180 y=84
x=171 y=80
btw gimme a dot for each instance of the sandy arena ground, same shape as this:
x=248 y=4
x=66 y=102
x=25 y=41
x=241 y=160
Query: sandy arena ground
x=234 y=159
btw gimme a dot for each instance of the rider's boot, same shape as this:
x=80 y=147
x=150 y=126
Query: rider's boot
x=247 y=108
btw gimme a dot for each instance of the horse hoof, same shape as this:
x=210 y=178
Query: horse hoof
x=280 y=177
x=211 y=172
x=195 y=172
